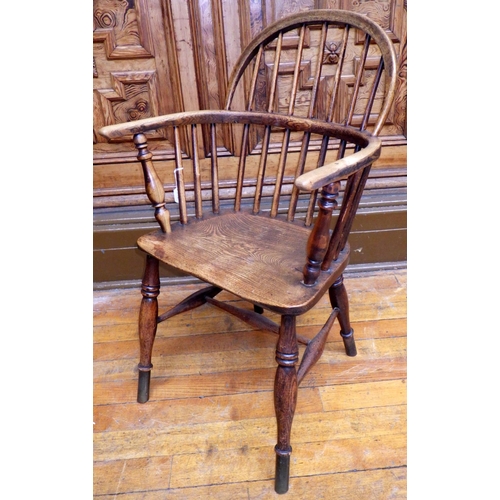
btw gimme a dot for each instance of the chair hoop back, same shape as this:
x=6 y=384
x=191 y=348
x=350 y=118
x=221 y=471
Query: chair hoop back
x=338 y=48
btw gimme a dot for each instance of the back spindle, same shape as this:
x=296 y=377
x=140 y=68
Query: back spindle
x=246 y=128
x=179 y=178
x=286 y=135
x=214 y=169
x=331 y=109
x=196 y=173
x=267 y=130
x=307 y=135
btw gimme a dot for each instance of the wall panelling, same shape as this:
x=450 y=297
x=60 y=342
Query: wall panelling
x=161 y=56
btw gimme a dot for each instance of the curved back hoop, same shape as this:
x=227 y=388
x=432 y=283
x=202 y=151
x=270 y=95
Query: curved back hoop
x=326 y=59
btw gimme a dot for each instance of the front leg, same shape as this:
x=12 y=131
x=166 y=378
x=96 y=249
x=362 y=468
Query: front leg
x=148 y=321
x=285 y=398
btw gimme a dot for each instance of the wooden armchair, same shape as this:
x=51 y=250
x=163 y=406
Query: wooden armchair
x=256 y=221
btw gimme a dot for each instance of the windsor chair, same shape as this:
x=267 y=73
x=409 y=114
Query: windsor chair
x=257 y=221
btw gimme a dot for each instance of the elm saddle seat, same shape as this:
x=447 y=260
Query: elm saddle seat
x=247 y=248
x=256 y=220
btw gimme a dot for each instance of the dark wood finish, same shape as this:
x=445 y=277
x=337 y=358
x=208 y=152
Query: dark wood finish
x=318 y=239
x=195 y=300
x=148 y=321
x=250 y=244
x=341 y=65
x=340 y=301
x=255 y=319
x=285 y=397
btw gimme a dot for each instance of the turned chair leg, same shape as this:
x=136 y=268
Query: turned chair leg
x=285 y=398
x=148 y=320
x=339 y=299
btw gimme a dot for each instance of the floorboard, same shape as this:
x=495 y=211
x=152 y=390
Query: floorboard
x=209 y=428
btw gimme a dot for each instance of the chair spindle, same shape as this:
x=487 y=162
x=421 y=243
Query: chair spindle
x=267 y=130
x=310 y=114
x=286 y=135
x=339 y=238
x=214 y=169
x=333 y=100
x=179 y=178
x=196 y=173
x=355 y=184
x=245 y=135
x=371 y=98
x=319 y=252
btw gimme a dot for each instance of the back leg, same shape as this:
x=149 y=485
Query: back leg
x=339 y=299
x=148 y=321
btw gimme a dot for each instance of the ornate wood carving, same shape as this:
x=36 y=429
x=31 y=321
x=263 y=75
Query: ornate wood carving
x=159 y=56
x=400 y=100
x=132 y=69
x=132 y=96
x=123 y=27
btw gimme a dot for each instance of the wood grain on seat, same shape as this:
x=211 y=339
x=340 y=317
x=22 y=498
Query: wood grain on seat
x=262 y=258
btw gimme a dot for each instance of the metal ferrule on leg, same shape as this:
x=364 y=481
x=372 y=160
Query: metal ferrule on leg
x=144 y=383
x=282 y=477
x=349 y=344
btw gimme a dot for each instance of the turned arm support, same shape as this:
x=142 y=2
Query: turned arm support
x=340 y=169
x=327 y=180
x=153 y=184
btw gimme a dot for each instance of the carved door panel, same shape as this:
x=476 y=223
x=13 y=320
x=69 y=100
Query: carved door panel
x=390 y=14
x=134 y=72
x=161 y=56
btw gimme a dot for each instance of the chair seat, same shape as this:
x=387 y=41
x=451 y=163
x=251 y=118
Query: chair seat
x=257 y=258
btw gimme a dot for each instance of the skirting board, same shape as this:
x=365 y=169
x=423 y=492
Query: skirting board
x=351 y=270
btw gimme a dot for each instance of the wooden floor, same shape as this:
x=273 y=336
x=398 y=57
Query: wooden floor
x=208 y=431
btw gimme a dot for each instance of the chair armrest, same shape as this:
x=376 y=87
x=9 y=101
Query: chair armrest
x=340 y=169
x=315 y=126
x=141 y=126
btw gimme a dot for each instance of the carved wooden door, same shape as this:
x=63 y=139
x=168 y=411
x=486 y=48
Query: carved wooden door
x=160 y=56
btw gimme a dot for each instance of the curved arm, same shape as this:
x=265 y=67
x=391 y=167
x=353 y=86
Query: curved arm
x=340 y=169
x=307 y=182
x=145 y=125
x=315 y=126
